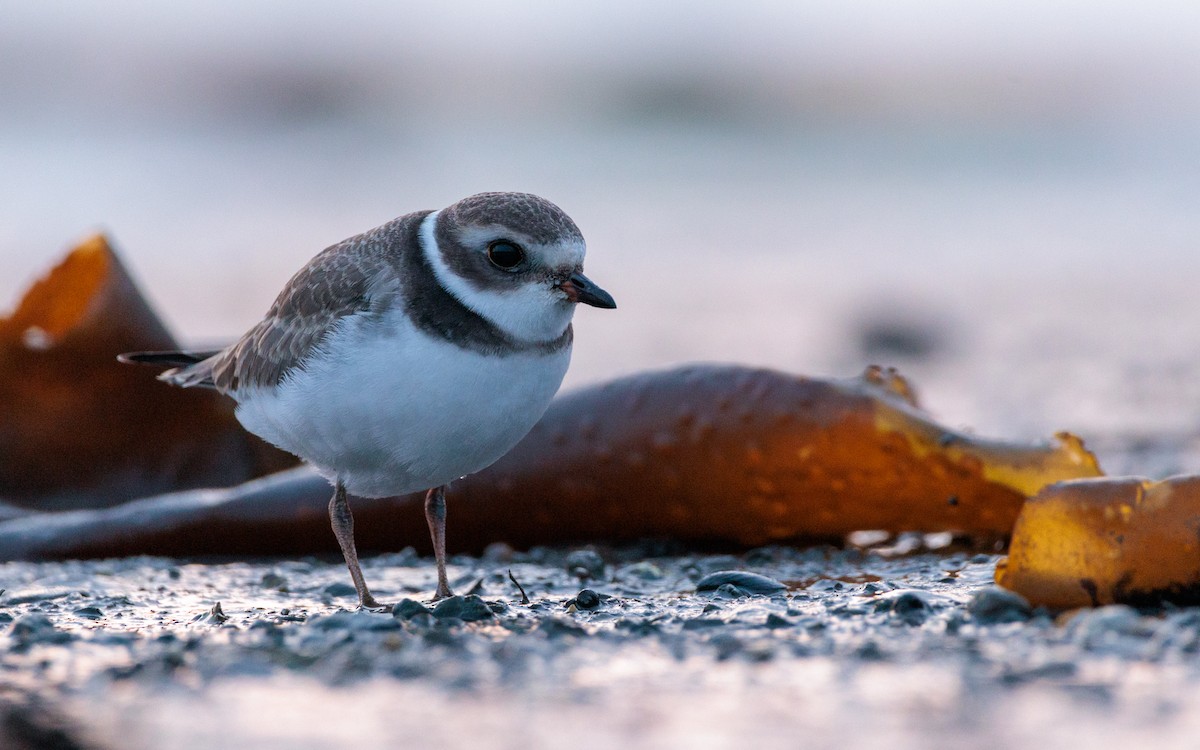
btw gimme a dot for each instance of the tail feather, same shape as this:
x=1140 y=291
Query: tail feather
x=187 y=369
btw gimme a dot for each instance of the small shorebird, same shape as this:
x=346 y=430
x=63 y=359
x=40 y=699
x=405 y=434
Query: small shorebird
x=411 y=355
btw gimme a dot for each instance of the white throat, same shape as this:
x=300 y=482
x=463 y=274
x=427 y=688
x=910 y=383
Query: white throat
x=529 y=313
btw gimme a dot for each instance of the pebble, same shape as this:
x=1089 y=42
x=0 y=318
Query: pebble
x=1117 y=627
x=585 y=564
x=273 y=580
x=406 y=609
x=644 y=571
x=214 y=616
x=751 y=583
x=909 y=606
x=587 y=599
x=498 y=552
x=339 y=589
x=775 y=621
x=994 y=606
x=89 y=613
x=470 y=608
x=34 y=628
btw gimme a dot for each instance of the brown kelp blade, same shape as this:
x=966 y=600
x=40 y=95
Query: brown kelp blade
x=751 y=456
x=705 y=454
x=1124 y=540
x=79 y=430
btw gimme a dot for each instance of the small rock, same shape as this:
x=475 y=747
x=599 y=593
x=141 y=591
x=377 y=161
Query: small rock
x=587 y=599
x=339 y=589
x=406 y=609
x=214 y=616
x=1114 y=626
x=273 y=580
x=469 y=608
x=498 y=552
x=910 y=607
x=775 y=621
x=752 y=583
x=37 y=628
x=645 y=571
x=89 y=613
x=994 y=605
x=585 y=564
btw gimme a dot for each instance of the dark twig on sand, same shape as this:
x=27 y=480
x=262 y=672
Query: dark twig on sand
x=524 y=596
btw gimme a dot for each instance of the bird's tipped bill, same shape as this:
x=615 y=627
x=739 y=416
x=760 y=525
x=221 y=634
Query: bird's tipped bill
x=580 y=288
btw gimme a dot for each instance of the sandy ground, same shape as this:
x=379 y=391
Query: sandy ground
x=897 y=646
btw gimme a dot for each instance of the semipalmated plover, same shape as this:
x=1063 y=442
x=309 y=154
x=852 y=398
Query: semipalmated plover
x=411 y=355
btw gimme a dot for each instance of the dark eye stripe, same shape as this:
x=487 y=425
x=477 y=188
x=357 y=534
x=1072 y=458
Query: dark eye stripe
x=505 y=254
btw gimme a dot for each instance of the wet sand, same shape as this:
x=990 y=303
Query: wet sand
x=776 y=647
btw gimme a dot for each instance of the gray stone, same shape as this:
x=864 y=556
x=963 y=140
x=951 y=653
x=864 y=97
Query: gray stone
x=469 y=608
x=911 y=606
x=406 y=609
x=29 y=629
x=994 y=606
x=339 y=589
x=752 y=583
x=585 y=564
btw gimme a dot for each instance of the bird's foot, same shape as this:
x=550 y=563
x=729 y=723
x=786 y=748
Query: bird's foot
x=369 y=604
x=443 y=592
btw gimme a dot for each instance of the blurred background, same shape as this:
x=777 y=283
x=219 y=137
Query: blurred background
x=998 y=197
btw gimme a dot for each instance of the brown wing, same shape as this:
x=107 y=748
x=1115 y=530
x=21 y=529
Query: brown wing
x=343 y=280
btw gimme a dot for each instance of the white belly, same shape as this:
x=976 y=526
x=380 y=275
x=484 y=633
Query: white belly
x=406 y=413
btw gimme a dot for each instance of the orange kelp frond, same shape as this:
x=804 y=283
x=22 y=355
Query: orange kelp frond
x=57 y=302
x=1121 y=540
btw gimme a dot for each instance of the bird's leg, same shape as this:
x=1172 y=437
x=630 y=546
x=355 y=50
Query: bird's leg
x=343 y=528
x=435 y=514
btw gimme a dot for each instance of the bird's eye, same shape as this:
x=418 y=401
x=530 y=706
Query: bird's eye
x=505 y=254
